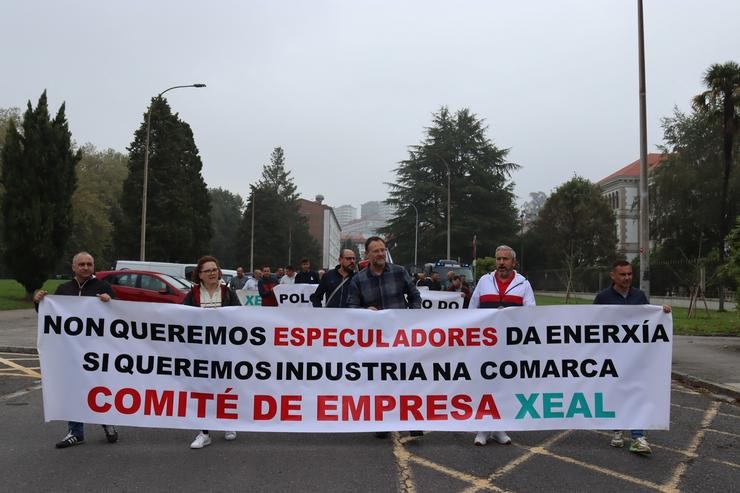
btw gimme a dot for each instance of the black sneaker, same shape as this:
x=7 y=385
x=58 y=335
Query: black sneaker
x=110 y=433
x=69 y=441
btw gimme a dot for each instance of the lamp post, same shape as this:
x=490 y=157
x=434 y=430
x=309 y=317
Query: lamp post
x=251 y=240
x=142 y=248
x=416 y=235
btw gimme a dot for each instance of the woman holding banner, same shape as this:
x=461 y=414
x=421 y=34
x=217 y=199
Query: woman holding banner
x=208 y=292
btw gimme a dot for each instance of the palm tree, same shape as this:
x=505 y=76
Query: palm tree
x=723 y=94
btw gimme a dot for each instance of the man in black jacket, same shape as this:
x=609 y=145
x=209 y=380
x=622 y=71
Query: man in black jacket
x=306 y=275
x=334 y=285
x=84 y=283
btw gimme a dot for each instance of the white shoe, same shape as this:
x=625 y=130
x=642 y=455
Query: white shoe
x=617 y=440
x=201 y=440
x=230 y=435
x=501 y=437
x=481 y=438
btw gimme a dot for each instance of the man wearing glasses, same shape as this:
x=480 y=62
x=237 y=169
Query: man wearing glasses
x=334 y=285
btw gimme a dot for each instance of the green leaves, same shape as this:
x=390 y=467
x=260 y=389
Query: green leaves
x=39 y=177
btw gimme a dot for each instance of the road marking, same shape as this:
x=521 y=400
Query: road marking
x=603 y=470
x=20 y=392
x=405 y=478
x=709 y=415
x=723 y=432
x=476 y=482
x=27 y=371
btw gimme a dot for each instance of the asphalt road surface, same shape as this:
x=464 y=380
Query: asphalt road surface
x=701 y=452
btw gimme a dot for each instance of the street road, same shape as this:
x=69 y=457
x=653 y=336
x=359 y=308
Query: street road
x=701 y=452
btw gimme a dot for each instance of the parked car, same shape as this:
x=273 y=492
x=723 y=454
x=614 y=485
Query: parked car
x=443 y=266
x=142 y=285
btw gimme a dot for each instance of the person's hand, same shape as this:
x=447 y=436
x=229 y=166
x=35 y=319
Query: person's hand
x=39 y=296
x=666 y=308
x=103 y=297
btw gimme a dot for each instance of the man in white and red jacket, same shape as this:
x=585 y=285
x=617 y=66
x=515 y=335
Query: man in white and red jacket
x=501 y=288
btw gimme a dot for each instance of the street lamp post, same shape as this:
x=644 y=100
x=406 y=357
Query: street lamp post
x=416 y=235
x=251 y=241
x=142 y=248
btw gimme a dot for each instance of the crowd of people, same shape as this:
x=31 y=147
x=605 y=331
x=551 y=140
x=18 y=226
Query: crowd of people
x=379 y=285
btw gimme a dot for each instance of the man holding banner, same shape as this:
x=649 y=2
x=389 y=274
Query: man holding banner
x=334 y=285
x=380 y=286
x=501 y=288
x=621 y=292
x=84 y=283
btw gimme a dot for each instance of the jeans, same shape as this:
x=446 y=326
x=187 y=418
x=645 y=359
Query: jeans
x=77 y=429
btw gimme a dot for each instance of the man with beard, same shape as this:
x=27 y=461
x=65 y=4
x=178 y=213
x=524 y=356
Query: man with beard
x=334 y=285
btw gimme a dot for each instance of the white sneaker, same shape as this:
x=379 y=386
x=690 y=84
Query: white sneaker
x=230 y=435
x=481 y=438
x=617 y=440
x=201 y=440
x=501 y=437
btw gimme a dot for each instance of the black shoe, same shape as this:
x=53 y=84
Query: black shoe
x=416 y=433
x=69 y=441
x=110 y=433
x=382 y=434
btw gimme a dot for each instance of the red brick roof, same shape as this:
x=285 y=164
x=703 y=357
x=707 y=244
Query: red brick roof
x=633 y=169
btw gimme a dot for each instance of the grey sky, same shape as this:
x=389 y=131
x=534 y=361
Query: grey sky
x=346 y=86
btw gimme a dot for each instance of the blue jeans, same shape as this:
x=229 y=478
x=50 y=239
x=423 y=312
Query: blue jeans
x=77 y=429
x=637 y=434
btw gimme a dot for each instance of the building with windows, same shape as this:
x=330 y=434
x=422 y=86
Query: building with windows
x=324 y=227
x=621 y=190
x=377 y=210
x=345 y=214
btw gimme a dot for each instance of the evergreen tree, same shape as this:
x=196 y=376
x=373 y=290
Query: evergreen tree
x=281 y=235
x=178 y=206
x=578 y=226
x=38 y=172
x=226 y=213
x=482 y=198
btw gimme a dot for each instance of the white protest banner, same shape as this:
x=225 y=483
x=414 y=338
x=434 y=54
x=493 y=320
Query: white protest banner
x=291 y=369
x=294 y=295
x=249 y=297
x=298 y=295
x=443 y=300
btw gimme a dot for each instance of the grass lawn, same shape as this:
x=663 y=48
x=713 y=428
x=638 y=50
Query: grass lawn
x=711 y=323
x=12 y=294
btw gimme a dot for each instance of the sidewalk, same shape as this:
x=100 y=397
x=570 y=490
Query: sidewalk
x=712 y=363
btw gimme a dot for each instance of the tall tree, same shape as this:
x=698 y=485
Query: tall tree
x=281 y=233
x=481 y=196
x=226 y=214
x=579 y=227
x=38 y=173
x=723 y=96
x=100 y=177
x=178 y=207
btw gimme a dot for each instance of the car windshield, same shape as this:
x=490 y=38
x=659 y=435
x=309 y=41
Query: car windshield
x=178 y=282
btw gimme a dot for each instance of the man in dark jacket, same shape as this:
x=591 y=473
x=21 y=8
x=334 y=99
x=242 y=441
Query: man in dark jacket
x=84 y=283
x=306 y=275
x=621 y=292
x=334 y=285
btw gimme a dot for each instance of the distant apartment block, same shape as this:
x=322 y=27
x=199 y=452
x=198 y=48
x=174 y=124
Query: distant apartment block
x=324 y=227
x=621 y=191
x=345 y=214
x=377 y=210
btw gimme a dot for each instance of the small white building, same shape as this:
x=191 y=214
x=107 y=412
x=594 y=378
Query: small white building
x=621 y=190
